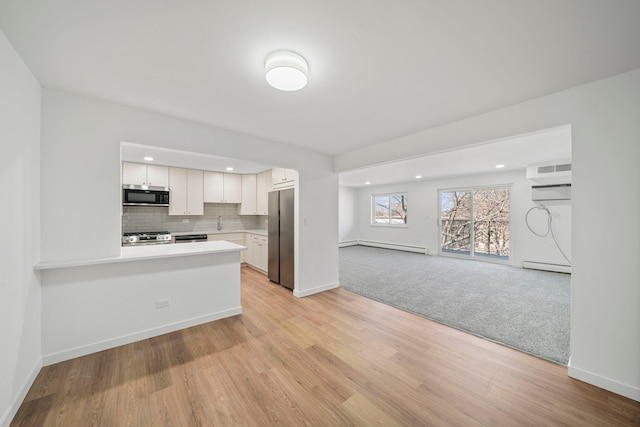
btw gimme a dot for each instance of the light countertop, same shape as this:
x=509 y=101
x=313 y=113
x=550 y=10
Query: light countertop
x=138 y=253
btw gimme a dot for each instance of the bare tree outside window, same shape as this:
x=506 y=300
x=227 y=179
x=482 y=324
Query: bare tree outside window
x=475 y=225
x=456 y=221
x=389 y=209
x=491 y=222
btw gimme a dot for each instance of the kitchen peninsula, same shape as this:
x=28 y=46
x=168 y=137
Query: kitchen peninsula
x=93 y=305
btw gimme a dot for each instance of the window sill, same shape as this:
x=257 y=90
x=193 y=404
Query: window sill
x=390 y=225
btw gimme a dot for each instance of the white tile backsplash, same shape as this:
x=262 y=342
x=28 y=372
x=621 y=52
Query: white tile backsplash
x=150 y=218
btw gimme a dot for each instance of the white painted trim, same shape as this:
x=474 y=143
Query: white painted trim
x=545 y=266
x=397 y=246
x=17 y=400
x=50 y=359
x=614 y=386
x=347 y=243
x=306 y=293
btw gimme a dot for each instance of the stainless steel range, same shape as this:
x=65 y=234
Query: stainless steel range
x=146 y=238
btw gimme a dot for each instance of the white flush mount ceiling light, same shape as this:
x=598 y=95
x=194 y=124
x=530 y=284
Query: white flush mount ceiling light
x=286 y=70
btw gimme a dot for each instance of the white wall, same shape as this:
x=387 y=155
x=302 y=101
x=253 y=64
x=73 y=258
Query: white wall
x=348 y=214
x=605 y=296
x=81 y=168
x=20 y=357
x=422 y=225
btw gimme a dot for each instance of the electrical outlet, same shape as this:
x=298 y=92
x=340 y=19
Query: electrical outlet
x=162 y=303
x=185 y=221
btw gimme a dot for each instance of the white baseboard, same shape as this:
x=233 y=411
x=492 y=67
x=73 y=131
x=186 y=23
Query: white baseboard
x=396 y=246
x=613 y=386
x=306 y=293
x=259 y=270
x=347 y=243
x=17 y=400
x=546 y=266
x=50 y=359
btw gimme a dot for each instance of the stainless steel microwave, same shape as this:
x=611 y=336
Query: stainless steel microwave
x=144 y=195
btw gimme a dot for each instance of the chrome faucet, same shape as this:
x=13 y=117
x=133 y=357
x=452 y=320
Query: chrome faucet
x=219 y=222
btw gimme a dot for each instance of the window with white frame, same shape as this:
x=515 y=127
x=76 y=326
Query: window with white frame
x=389 y=209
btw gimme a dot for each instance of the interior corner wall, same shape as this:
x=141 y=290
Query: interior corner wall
x=605 y=296
x=348 y=214
x=422 y=227
x=80 y=169
x=20 y=357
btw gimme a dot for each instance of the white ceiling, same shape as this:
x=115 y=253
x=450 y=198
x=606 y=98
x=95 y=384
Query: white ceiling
x=130 y=152
x=378 y=70
x=516 y=153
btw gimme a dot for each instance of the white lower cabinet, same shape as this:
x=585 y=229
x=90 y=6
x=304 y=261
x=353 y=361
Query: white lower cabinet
x=257 y=255
x=237 y=238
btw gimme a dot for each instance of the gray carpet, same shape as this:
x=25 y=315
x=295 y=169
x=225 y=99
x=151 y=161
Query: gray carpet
x=525 y=309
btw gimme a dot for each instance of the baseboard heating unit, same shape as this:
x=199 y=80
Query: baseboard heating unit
x=396 y=246
x=558 y=268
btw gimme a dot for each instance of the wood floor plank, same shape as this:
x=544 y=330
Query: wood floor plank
x=331 y=359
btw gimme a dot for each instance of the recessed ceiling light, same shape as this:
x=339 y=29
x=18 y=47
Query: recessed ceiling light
x=229 y=168
x=286 y=70
x=148 y=158
x=418 y=176
x=367 y=183
x=499 y=166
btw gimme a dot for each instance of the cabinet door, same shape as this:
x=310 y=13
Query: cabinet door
x=178 y=187
x=278 y=175
x=262 y=193
x=158 y=175
x=262 y=255
x=195 y=204
x=232 y=188
x=283 y=178
x=248 y=206
x=213 y=187
x=134 y=173
x=250 y=252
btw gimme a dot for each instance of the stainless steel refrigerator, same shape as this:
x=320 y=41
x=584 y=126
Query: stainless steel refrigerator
x=281 y=229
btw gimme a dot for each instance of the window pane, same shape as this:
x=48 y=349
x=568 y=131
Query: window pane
x=491 y=222
x=456 y=222
x=399 y=209
x=381 y=210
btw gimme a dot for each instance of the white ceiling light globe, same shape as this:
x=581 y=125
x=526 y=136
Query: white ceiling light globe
x=286 y=70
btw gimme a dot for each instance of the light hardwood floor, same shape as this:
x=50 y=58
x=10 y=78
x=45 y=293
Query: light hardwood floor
x=332 y=359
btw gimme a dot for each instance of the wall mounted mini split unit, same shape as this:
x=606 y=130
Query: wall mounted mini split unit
x=550 y=181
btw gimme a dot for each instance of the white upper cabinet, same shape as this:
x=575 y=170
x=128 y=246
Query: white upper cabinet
x=222 y=187
x=263 y=186
x=158 y=175
x=213 y=187
x=248 y=206
x=142 y=174
x=283 y=178
x=186 y=187
x=232 y=188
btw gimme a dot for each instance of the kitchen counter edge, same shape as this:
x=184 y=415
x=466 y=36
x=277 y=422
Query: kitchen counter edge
x=141 y=253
